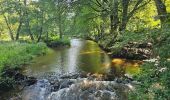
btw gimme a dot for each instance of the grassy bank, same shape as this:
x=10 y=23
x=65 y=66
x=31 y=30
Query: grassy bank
x=15 y=54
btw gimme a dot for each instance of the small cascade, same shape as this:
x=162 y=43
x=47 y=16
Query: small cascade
x=38 y=91
x=69 y=87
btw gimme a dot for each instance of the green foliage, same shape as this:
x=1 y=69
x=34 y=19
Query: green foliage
x=15 y=54
x=6 y=83
x=155 y=77
x=58 y=42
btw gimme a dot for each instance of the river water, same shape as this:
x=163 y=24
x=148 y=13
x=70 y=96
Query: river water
x=83 y=56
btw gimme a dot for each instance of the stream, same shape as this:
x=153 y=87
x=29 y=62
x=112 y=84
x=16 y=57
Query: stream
x=77 y=72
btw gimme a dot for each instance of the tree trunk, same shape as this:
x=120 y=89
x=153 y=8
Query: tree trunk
x=125 y=4
x=162 y=12
x=41 y=29
x=60 y=28
x=18 y=30
x=9 y=28
x=40 y=35
x=102 y=28
x=111 y=24
x=114 y=20
x=29 y=30
x=47 y=36
x=20 y=23
x=28 y=22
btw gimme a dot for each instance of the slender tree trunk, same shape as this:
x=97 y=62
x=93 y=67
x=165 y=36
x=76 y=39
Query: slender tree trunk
x=124 y=20
x=29 y=30
x=41 y=29
x=111 y=24
x=40 y=35
x=114 y=20
x=115 y=14
x=28 y=22
x=102 y=28
x=47 y=36
x=20 y=23
x=18 y=30
x=60 y=27
x=162 y=12
x=9 y=28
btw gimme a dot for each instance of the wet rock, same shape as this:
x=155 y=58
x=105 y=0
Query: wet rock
x=98 y=93
x=86 y=90
x=70 y=76
x=83 y=75
x=19 y=78
x=30 y=81
x=106 y=95
x=38 y=91
x=65 y=83
x=118 y=80
x=84 y=95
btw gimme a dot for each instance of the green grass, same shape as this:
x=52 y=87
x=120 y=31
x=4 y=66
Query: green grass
x=16 y=54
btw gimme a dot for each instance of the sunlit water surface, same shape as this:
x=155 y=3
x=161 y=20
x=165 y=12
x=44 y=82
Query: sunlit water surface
x=81 y=56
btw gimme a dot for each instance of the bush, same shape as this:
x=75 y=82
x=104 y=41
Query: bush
x=15 y=54
x=58 y=42
x=155 y=78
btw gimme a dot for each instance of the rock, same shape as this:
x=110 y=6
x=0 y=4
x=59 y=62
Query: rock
x=84 y=95
x=128 y=77
x=118 y=80
x=30 y=81
x=133 y=50
x=65 y=83
x=106 y=95
x=98 y=93
x=19 y=78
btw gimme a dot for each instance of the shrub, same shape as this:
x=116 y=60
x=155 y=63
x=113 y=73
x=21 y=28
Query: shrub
x=155 y=78
x=16 y=54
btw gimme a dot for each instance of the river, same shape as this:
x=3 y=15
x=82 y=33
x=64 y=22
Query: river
x=60 y=77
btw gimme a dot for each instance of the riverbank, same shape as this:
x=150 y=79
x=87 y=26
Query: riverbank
x=83 y=67
x=58 y=43
x=154 y=74
x=13 y=56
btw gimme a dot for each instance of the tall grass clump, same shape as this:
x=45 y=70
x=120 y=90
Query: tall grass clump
x=15 y=54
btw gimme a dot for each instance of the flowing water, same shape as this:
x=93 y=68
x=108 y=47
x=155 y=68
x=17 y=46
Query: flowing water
x=83 y=55
x=75 y=73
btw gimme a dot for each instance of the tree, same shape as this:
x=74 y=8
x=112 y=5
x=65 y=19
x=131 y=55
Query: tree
x=162 y=12
x=6 y=17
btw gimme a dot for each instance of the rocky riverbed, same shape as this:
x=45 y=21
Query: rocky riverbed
x=75 y=86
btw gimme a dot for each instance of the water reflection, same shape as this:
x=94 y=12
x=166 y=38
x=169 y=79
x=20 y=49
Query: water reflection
x=93 y=59
x=123 y=66
x=83 y=55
